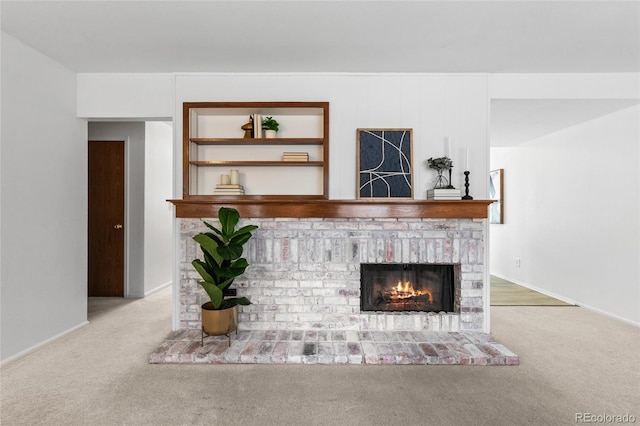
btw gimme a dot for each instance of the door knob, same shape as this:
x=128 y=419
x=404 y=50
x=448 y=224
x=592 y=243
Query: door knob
x=118 y=226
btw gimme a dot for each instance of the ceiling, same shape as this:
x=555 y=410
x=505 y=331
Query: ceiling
x=332 y=36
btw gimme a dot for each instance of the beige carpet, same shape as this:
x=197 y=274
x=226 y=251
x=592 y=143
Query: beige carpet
x=506 y=293
x=572 y=361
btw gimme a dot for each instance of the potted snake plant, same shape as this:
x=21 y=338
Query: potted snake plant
x=221 y=265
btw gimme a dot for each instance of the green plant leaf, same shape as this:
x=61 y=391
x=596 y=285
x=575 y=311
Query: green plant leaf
x=244 y=230
x=201 y=267
x=233 y=301
x=228 y=219
x=239 y=240
x=270 y=123
x=209 y=260
x=230 y=252
x=236 y=269
x=214 y=237
x=239 y=266
x=226 y=283
x=213 y=228
x=209 y=245
x=221 y=272
x=214 y=292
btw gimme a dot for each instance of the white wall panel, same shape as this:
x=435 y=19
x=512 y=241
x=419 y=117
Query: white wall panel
x=158 y=214
x=125 y=95
x=428 y=103
x=44 y=201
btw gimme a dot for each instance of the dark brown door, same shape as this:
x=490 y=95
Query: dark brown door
x=106 y=218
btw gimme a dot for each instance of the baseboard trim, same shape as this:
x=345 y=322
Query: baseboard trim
x=158 y=289
x=610 y=315
x=34 y=348
x=567 y=300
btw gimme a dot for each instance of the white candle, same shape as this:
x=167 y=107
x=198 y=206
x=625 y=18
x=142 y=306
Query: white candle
x=235 y=177
x=466 y=160
x=446 y=147
x=224 y=179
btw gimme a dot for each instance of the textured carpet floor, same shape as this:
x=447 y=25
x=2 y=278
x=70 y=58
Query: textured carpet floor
x=572 y=361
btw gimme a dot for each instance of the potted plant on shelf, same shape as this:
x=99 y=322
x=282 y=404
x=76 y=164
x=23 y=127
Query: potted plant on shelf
x=270 y=127
x=441 y=164
x=222 y=263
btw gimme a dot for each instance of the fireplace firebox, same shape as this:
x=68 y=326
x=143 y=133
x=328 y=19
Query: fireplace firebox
x=407 y=287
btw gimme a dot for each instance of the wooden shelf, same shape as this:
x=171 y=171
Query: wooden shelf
x=256 y=163
x=211 y=138
x=307 y=207
x=258 y=141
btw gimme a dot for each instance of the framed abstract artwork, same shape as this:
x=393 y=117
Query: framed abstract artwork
x=385 y=165
x=496 y=186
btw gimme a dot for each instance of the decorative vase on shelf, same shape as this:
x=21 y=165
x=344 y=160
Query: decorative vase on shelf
x=270 y=134
x=441 y=180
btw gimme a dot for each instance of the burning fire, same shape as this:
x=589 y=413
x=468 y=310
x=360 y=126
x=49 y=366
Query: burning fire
x=406 y=291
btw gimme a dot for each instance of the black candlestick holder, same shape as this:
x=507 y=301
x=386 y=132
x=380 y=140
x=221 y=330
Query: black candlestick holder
x=466 y=186
x=450 y=186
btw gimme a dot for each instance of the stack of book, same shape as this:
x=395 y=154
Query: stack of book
x=295 y=156
x=444 y=194
x=228 y=189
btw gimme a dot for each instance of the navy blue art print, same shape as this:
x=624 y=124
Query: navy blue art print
x=384 y=163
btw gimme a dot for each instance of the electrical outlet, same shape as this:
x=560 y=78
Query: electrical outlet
x=517 y=262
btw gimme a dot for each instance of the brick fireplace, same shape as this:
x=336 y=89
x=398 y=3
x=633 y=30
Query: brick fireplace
x=304 y=280
x=304 y=273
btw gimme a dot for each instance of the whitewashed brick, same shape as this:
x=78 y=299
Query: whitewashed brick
x=335 y=300
x=472 y=293
x=304 y=266
x=455 y=323
x=445 y=321
x=310 y=284
x=323 y=292
x=434 y=323
x=286 y=284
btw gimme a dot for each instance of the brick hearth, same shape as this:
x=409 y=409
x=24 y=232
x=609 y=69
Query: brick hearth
x=334 y=347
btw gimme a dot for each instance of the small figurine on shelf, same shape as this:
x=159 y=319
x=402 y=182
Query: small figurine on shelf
x=270 y=126
x=248 y=129
x=441 y=164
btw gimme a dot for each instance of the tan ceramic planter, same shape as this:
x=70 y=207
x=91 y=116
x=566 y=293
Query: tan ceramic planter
x=219 y=322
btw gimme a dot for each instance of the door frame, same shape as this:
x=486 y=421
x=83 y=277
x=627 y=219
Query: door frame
x=132 y=132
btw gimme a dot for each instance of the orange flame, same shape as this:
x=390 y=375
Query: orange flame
x=406 y=291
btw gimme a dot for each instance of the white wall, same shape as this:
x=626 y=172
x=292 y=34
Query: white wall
x=572 y=214
x=433 y=105
x=44 y=201
x=158 y=214
x=124 y=95
x=133 y=133
x=621 y=85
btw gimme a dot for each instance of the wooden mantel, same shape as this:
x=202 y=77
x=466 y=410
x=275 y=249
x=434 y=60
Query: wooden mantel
x=293 y=207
